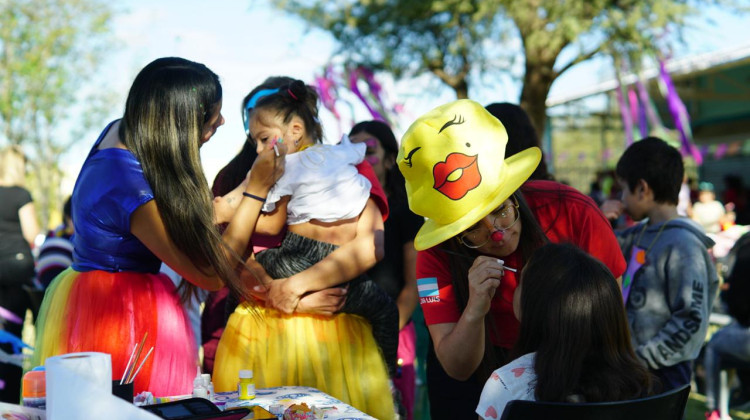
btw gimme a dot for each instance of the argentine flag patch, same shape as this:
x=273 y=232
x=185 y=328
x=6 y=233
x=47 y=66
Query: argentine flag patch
x=428 y=290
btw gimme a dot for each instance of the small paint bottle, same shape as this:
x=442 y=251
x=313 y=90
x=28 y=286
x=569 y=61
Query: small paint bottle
x=208 y=385
x=246 y=385
x=199 y=391
x=34 y=388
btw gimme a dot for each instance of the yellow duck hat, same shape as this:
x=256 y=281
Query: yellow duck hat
x=453 y=160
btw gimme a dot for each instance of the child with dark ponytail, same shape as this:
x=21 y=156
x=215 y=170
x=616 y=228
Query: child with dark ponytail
x=324 y=201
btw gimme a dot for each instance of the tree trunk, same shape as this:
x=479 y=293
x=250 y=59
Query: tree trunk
x=536 y=85
x=462 y=89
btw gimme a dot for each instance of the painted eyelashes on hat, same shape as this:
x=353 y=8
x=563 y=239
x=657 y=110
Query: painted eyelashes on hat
x=457 y=119
x=408 y=157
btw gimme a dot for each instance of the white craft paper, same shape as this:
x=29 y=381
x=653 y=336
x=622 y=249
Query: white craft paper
x=79 y=387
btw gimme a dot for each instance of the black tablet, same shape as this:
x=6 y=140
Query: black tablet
x=196 y=409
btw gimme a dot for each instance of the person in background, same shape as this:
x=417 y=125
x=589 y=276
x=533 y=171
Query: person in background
x=396 y=273
x=671 y=282
x=482 y=226
x=141 y=200
x=574 y=343
x=56 y=252
x=708 y=211
x=521 y=134
x=596 y=193
x=684 y=204
x=736 y=195
x=731 y=343
x=18 y=228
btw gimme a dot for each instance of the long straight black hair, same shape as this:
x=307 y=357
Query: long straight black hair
x=169 y=104
x=573 y=317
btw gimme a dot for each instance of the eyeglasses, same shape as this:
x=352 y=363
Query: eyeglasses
x=503 y=218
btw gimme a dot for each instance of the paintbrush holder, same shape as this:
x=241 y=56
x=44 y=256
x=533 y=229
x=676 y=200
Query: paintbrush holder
x=124 y=391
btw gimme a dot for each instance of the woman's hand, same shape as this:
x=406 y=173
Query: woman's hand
x=282 y=295
x=324 y=302
x=484 y=278
x=266 y=170
x=612 y=209
x=460 y=346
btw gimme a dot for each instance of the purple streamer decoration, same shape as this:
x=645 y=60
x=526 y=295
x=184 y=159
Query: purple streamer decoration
x=721 y=150
x=627 y=122
x=703 y=150
x=353 y=79
x=679 y=114
x=10 y=316
x=648 y=106
x=636 y=112
x=376 y=90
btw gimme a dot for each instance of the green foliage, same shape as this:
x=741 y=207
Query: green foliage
x=48 y=50
x=455 y=39
x=406 y=37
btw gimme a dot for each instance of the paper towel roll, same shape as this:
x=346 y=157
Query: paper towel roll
x=79 y=386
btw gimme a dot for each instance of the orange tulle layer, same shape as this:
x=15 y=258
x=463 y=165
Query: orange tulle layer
x=337 y=355
x=111 y=313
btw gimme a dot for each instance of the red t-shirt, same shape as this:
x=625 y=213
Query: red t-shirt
x=376 y=191
x=564 y=214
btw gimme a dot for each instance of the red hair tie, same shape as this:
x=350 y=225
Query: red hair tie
x=292 y=95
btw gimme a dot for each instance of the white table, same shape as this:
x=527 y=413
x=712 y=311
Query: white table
x=333 y=408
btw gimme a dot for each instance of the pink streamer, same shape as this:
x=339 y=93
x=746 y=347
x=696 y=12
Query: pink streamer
x=327 y=95
x=636 y=112
x=627 y=122
x=326 y=87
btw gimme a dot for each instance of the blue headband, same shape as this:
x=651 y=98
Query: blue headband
x=251 y=104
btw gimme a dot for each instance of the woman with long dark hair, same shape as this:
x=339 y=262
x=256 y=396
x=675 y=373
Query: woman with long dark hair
x=574 y=343
x=396 y=273
x=141 y=199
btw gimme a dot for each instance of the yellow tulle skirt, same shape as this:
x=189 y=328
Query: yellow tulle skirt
x=337 y=355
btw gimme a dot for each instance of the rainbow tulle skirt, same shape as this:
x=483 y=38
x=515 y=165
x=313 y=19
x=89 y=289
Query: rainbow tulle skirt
x=337 y=355
x=111 y=313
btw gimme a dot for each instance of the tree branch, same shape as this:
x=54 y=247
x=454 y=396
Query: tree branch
x=579 y=59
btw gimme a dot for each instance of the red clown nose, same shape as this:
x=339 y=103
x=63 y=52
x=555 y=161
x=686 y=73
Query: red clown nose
x=497 y=236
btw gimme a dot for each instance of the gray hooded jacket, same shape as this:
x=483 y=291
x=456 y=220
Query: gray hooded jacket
x=672 y=293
